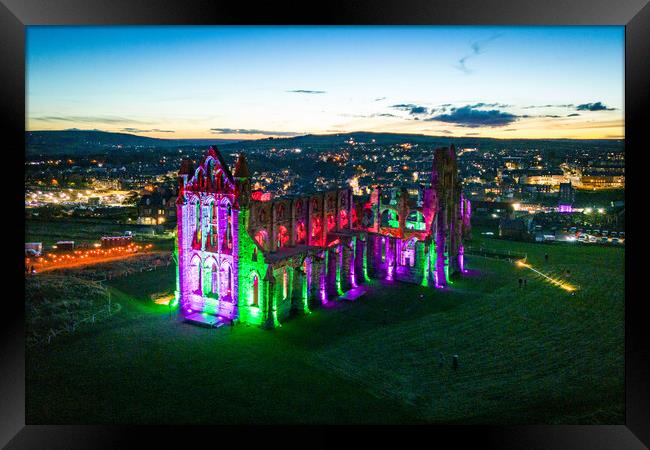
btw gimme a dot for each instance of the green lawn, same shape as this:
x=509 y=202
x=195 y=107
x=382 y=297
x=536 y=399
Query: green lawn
x=533 y=355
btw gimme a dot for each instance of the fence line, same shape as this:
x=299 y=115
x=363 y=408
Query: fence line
x=70 y=328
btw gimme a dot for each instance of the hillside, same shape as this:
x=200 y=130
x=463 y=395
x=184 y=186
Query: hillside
x=83 y=142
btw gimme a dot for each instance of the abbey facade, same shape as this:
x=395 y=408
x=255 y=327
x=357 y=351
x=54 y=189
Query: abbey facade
x=244 y=256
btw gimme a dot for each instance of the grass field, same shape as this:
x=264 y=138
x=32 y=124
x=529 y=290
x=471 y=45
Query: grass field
x=530 y=355
x=89 y=232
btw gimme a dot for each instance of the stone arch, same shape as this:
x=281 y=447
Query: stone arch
x=195 y=274
x=408 y=252
x=283 y=237
x=415 y=221
x=255 y=288
x=389 y=218
x=343 y=218
x=316 y=229
x=227 y=280
x=331 y=222
x=262 y=238
x=211 y=277
x=301 y=232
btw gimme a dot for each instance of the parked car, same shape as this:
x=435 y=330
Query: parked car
x=615 y=241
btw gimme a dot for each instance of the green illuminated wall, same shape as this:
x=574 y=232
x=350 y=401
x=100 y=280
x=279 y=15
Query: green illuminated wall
x=247 y=312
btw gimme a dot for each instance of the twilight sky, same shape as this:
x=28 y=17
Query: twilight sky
x=254 y=82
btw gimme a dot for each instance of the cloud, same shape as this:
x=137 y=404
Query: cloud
x=598 y=106
x=411 y=108
x=573 y=115
x=488 y=105
x=368 y=116
x=477 y=47
x=89 y=119
x=569 y=105
x=380 y=98
x=306 y=91
x=472 y=134
x=466 y=116
x=153 y=130
x=253 y=131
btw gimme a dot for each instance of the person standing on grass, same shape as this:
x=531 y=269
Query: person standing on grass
x=520 y=282
x=545 y=257
x=524 y=283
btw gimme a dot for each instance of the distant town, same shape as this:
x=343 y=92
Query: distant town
x=524 y=189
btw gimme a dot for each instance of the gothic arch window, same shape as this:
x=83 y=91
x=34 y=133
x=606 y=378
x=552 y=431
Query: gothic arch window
x=214 y=279
x=283 y=236
x=195 y=275
x=344 y=218
x=301 y=232
x=389 y=219
x=229 y=227
x=316 y=229
x=279 y=212
x=261 y=237
x=226 y=280
x=331 y=222
x=255 y=289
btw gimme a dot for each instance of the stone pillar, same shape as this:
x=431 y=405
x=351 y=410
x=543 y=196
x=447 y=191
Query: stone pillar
x=440 y=238
x=332 y=267
x=299 y=303
x=390 y=258
x=346 y=271
x=269 y=294
x=314 y=284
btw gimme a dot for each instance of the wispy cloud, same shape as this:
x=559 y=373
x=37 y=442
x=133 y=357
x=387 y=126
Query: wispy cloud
x=569 y=105
x=573 y=115
x=411 y=108
x=477 y=48
x=487 y=105
x=369 y=116
x=378 y=99
x=306 y=91
x=598 y=106
x=466 y=116
x=253 y=131
x=89 y=119
x=153 y=130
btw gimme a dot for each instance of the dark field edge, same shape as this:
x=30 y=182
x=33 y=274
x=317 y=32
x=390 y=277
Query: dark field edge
x=16 y=13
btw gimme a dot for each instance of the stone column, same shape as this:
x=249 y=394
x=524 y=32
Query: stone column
x=299 y=294
x=269 y=294
x=346 y=269
x=332 y=266
x=314 y=284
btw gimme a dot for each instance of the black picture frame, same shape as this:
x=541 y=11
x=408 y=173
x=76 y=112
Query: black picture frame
x=15 y=15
